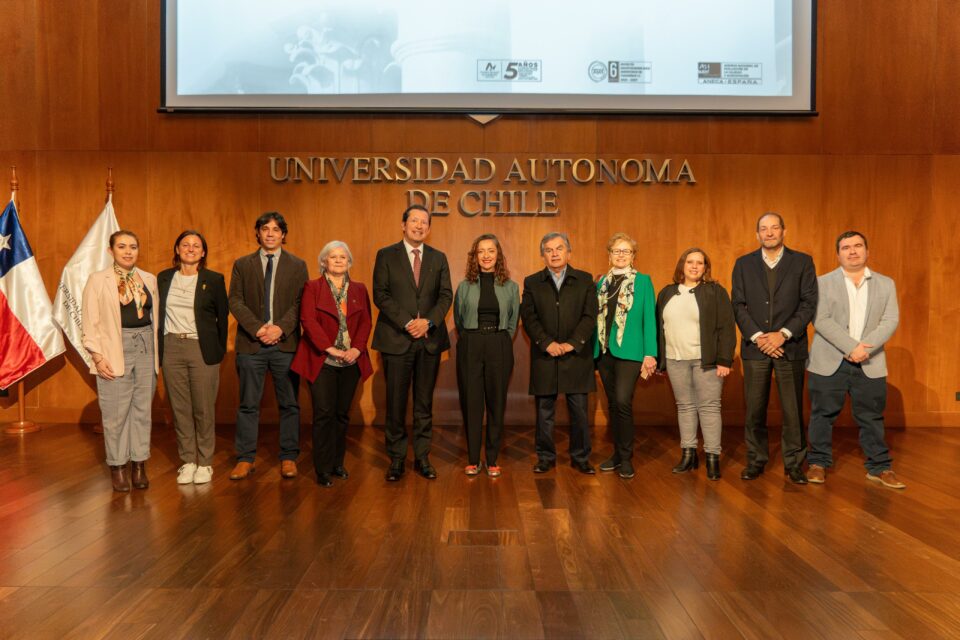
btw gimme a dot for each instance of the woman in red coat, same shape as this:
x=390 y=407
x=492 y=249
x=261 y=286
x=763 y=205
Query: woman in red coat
x=332 y=355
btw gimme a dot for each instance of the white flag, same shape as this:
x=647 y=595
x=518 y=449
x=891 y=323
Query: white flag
x=91 y=256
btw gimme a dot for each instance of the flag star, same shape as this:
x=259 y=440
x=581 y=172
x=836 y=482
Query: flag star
x=4 y=242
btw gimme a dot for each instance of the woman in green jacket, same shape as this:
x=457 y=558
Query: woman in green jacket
x=625 y=344
x=485 y=310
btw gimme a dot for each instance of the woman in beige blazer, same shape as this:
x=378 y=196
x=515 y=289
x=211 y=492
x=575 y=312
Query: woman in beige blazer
x=120 y=333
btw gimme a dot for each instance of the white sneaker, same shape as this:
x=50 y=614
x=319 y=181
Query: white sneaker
x=185 y=473
x=203 y=475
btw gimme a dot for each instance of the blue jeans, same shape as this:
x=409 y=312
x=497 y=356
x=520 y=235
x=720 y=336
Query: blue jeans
x=869 y=398
x=252 y=369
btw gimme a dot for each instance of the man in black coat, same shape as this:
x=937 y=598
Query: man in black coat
x=774 y=298
x=559 y=313
x=411 y=288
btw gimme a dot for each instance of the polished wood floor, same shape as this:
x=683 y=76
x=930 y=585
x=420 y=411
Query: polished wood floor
x=523 y=556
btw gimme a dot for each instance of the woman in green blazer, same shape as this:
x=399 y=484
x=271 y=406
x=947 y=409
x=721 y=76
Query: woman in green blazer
x=485 y=310
x=625 y=344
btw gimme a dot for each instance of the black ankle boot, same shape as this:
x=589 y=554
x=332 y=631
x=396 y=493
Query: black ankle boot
x=688 y=462
x=713 y=466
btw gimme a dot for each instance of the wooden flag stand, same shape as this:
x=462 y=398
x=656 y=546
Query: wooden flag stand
x=22 y=425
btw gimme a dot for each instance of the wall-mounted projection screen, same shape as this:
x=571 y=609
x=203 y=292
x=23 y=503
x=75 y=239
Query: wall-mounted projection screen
x=494 y=56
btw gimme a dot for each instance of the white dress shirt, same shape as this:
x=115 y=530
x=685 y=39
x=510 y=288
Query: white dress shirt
x=858 y=297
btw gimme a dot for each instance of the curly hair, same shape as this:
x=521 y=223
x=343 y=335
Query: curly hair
x=500 y=272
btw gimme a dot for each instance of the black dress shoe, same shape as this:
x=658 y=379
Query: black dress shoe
x=583 y=467
x=395 y=472
x=324 y=480
x=751 y=472
x=340 y=472
x=425 y=469
x=543 y=466
x=796 y=475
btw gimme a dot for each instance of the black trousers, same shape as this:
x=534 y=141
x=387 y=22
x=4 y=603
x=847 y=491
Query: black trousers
x=332 y=394
x=619 y=379
x=252 y=369
x=756 y=387
x=417 y=367
x=579 y=428
x=484 y=365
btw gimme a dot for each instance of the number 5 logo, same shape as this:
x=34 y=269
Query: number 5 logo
x=511 y=71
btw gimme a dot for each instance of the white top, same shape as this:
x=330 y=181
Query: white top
x=858 y=297
x=180 y=316
x=681 y=325
x=775 y=261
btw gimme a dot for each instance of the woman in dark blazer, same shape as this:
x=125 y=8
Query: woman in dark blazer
x=332 y=355
x=486 y=310
x=192 y=340
x=696 y=339
x=625 y=344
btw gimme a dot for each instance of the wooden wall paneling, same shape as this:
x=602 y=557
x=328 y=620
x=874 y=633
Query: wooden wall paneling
x=18 y=84
x=318 y=135
x=67 y=76
x=129 y=92
x=877 y=83
x=640 y=136
x=943 y=307
x=556 y=135
x=778 y=134
x=420 y=134
x=947 y=98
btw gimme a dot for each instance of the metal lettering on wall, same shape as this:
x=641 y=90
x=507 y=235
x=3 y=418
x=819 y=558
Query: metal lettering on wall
x=503 y=194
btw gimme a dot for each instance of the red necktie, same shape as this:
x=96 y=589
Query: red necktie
x=416 y=266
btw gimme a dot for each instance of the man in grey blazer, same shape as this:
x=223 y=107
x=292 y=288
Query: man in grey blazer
x=857 y=313
x=265 y=291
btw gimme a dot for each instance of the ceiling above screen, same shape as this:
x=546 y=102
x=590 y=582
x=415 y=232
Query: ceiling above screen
x=499 y=56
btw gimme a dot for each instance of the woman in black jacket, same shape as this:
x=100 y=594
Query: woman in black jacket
x=192 y=340
x=696 y=339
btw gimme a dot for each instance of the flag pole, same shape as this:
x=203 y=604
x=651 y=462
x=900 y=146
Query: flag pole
x=22 y=425
x=98 y=428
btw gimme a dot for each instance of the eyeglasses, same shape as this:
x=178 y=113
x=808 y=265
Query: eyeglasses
x=621 y=252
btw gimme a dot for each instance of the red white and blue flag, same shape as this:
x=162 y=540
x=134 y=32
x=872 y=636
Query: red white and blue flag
x=28 y=336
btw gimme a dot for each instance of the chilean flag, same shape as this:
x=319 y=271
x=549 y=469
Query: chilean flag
x=28 y=336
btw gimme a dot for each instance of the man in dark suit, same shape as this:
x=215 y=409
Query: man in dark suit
x=411 y=288
x=774 y=297
x=265 y=290
x=559 y=313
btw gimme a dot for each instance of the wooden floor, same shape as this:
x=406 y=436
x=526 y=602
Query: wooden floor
x=523 y=556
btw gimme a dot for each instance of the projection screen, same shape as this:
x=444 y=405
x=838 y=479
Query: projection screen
x=493 y=57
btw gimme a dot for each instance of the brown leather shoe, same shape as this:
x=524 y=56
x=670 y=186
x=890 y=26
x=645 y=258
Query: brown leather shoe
x=139 y=476
x=816 y=474
x=242 y=470
x=121 y=481
x=288 y=468
x=888 y=479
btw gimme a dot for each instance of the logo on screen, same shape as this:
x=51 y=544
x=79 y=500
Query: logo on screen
x=597 y=71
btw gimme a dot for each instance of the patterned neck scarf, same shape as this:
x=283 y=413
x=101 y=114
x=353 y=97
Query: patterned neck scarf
x=130 y=288
x=340 y=297
x=624 y=295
